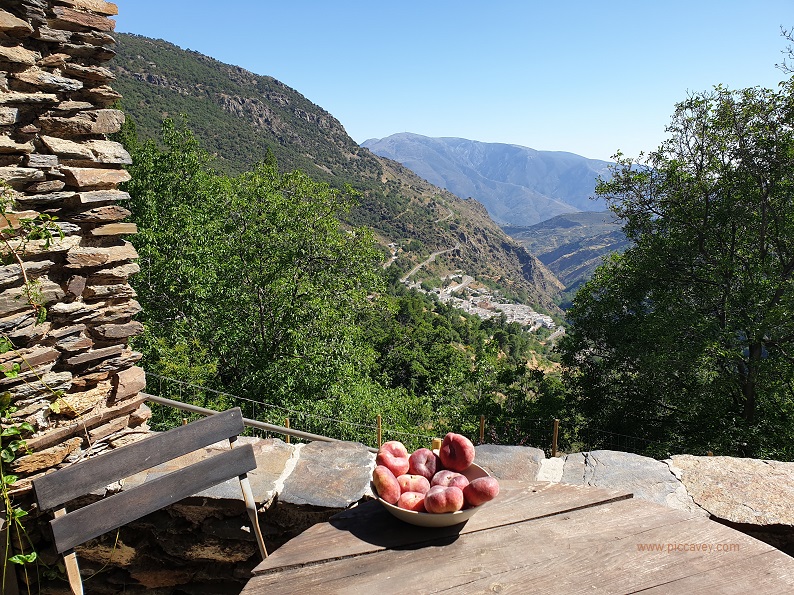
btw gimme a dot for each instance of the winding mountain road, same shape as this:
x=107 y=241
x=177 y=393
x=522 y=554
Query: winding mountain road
x=430 y=259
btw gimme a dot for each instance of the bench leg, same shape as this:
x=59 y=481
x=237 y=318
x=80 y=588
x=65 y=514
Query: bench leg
x=73 y=572
x=250 y=506
x=70 y=561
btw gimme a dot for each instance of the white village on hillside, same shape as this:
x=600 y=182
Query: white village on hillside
x=481 y=302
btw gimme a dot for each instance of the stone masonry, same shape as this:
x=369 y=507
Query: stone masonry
x=78 y=384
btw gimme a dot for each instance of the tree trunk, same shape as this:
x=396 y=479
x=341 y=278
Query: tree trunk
x=748 y=372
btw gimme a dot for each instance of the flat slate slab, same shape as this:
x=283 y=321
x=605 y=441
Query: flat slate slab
x=738 y=490
x=329 y=475
x=271 y=459
x=509 y=462
x=646 y=478
x=272 y=456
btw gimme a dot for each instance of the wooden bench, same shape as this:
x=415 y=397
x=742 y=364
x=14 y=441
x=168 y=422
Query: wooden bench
x=54 y=490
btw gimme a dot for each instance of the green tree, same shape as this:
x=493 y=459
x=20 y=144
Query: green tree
x=175 y=200
x=291 y=285
x=688 y=337
x=251 y=280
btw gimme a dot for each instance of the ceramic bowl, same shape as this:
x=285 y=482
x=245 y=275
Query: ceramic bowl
x=446 y=519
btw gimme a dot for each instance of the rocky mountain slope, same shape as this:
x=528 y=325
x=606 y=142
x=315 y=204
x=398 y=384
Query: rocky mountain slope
x=572 y=245
x=238 y=116
x=518 y=185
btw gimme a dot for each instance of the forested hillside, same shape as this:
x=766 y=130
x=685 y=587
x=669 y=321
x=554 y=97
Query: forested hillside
x=254 y=287
x=269 y=283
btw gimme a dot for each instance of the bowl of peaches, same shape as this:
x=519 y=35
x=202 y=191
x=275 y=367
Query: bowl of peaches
x=432 y=488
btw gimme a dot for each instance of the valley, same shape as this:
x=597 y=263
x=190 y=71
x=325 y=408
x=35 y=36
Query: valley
x=242 y=118
x=542 y=199
x=572 y=245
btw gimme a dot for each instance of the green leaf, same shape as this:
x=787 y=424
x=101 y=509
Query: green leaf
x=7 y=455
x=23 y=558
x=19 y=445
x=9 y=479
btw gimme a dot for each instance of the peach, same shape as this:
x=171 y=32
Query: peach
x=424 y=462
x=481 y=490
x=386 y=484
x=447 y=478
x=442 y=499
x=413 y=483
x=412 y=501
x=393 y=455
x=456 y=452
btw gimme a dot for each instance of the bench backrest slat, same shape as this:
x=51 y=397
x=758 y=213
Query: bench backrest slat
x=55 y=489
x=105 y=515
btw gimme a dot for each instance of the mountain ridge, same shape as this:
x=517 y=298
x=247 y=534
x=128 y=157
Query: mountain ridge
x=518 y=185
x=572 y=245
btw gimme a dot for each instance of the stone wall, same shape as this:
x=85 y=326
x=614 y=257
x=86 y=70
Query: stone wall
x=55 y=159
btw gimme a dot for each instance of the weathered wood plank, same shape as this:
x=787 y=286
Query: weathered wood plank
x=59 y=487
x=618 y=559
x=770 y=573
x=503 y=552
x=95 y=519
x=587 y=550
x=369 y=528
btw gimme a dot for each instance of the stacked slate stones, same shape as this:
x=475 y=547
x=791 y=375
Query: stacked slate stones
x=78 y=384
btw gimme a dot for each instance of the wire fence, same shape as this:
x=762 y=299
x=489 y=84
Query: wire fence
x=545 y=434
x=522 y=432
x=588 y=439
x=370 y=432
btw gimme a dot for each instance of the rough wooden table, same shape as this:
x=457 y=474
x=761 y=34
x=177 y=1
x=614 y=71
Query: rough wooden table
x=535 y=537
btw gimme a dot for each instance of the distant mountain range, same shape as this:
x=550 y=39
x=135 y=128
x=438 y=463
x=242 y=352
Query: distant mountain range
x=518 y=185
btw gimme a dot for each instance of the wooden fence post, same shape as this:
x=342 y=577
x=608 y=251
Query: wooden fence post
x=380 y=434
x=554 y=436
x=482 y=429
x=286 y=425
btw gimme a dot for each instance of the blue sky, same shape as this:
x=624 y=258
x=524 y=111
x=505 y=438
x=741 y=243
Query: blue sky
x=585 y=77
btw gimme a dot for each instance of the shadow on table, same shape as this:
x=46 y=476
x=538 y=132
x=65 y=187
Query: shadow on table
x=370 y=522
